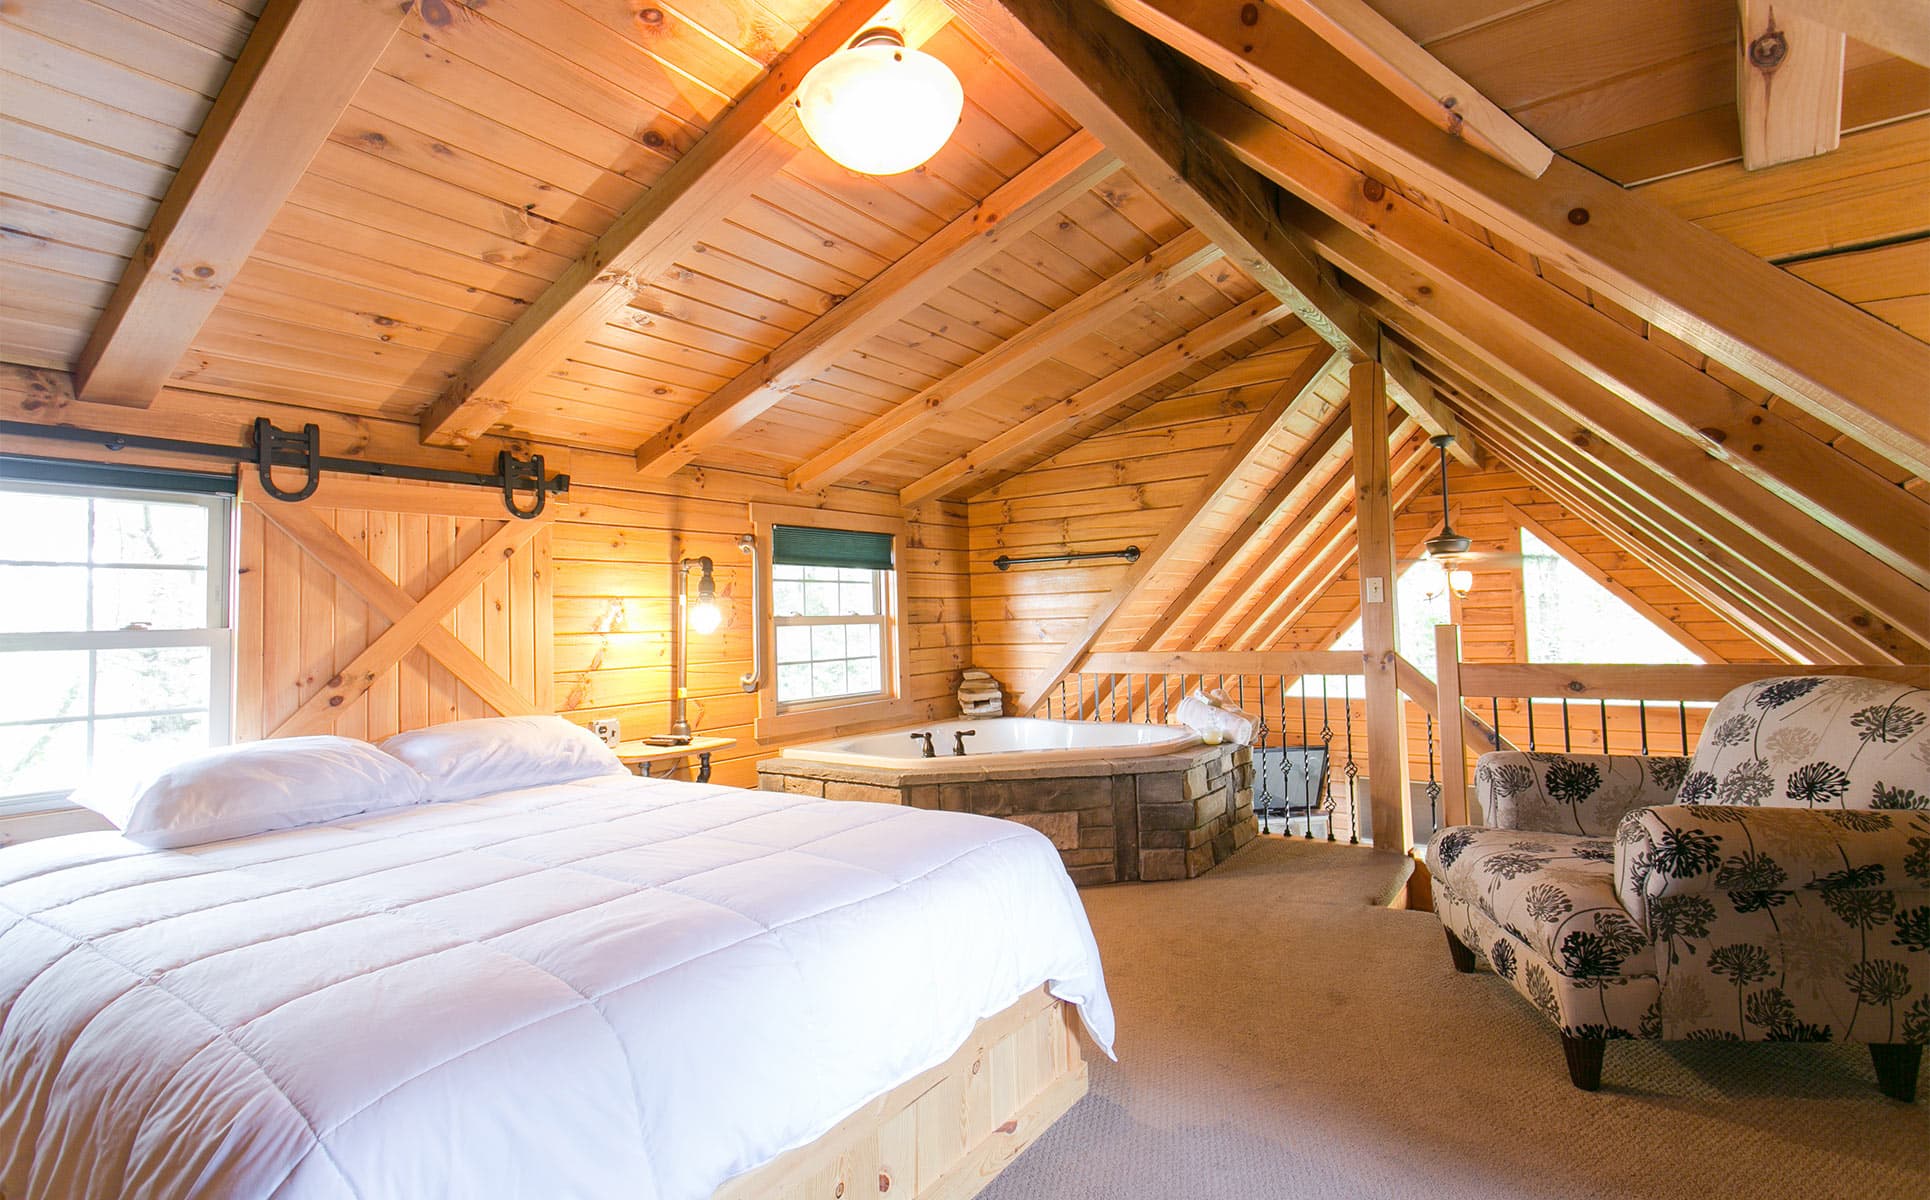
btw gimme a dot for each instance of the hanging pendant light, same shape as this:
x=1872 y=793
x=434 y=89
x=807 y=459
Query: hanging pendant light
x=1447 y=546
x=879 y=107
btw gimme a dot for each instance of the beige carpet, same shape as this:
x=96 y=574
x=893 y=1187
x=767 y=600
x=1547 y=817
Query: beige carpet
x=1280 y=1038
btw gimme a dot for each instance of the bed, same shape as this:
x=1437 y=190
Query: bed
x=607 y=987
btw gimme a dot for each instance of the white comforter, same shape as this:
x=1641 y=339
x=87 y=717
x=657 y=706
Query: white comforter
x=611 y=988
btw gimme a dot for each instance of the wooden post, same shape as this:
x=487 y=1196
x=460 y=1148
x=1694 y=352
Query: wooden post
x=1374 y=509
x=1454 y=746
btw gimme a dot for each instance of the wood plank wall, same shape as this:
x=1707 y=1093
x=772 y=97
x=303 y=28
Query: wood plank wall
x=1120 y=487
x=613 y=546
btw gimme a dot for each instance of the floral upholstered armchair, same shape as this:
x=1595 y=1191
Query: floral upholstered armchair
x=1774 y=887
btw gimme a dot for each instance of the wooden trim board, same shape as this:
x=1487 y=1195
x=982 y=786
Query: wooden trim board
x=948 y=1132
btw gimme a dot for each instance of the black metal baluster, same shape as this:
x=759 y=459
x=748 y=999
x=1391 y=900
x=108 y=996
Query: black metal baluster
x=1062 y=699
x=1260 y=764
x=1494 y=710
x=1326 y=741
x=1531 y=724
x=1353 y=769
x=1604 y=705
x=1306 y=767
x=1165 y=707
x=1682 y=709
x=1566 y=746
x=1433 y=784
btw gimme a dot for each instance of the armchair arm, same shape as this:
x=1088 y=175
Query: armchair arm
x=1585 y=794
x=1760 y=857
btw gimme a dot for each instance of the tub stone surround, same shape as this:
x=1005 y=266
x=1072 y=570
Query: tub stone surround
x=1172 y=816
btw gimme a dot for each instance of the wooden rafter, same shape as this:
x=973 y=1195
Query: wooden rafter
x=1417 y=399
x=1889 y=589
x=1265 y=424
x=1378 y=47
x=737 y=153
x=1838 y=363
x=1318 y=451
x=1061 y=416
x=1686 y=542
x=963 y=245
x=1569 y=478
x=301 y=67
x=1623 y=492
x=415 y=624
x=1899 y=27
x=1452 y=281
x=1103 y=74
x=1316 y=569
x=1789 y=85
x=1105 y=302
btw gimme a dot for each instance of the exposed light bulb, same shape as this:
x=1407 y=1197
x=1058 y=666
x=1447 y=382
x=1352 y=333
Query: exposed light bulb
x=705 y=617
x=879 y=107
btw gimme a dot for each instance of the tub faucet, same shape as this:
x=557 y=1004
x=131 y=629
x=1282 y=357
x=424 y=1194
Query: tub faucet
x=958 y=742
x=929 y=752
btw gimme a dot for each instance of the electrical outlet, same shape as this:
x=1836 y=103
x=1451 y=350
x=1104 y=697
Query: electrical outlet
x=610 y=731
x=1376 y=589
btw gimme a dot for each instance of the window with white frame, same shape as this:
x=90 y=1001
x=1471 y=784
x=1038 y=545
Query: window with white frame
x=114 y=629
x=831 y=611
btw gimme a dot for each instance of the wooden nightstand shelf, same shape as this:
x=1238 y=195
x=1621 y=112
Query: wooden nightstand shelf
x=639 y=756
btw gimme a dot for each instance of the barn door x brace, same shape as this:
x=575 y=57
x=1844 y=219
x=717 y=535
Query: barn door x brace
x=524 y=486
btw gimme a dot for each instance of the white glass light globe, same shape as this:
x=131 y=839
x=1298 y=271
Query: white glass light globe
x=880 y=107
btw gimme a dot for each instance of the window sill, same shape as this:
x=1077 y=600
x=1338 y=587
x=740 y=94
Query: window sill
x=803 y=722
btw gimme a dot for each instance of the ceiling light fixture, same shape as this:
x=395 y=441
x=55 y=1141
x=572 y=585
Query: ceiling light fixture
x=1447 y=546
x=879 y=107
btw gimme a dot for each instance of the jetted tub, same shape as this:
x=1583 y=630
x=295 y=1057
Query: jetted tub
x=1016 y=741
x=1118 y=801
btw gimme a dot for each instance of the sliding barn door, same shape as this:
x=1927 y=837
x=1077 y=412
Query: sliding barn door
x=376 y=607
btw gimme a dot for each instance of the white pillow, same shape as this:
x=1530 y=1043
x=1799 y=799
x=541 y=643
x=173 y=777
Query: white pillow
x=252 y=788
x=464 y=759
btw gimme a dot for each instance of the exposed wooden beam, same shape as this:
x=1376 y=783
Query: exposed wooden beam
x=1835 y=361
x=1104 y=75
x=1899 y=27
x=298 y=71
x=1318 y=451
x=1623 y=494
x=1419 y=262
x=739 y=151
x=1789 y=85
x=1895 y=595
x=1417 y=399
x=1312 y=574
x=1378 y=47
x=967 y=242
x=1325 y=505
x=1062 y=416
x=1236 y=459
x=1137 y=282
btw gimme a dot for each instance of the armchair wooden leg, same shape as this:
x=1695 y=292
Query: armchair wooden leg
x=1896 y=1069
x=1584 y=1061
x=1462 y=956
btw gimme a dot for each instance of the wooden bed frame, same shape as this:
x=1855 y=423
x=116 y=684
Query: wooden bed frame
x=950 y=1131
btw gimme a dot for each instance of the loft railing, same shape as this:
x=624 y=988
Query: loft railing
x=1319 y=733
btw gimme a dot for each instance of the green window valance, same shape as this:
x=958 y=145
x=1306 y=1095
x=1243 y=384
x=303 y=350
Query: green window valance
x=797 y=546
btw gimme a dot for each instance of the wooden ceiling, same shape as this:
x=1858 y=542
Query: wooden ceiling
x=596 y=224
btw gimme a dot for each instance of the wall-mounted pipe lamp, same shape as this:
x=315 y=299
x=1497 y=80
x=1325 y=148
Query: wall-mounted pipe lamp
x=702 y=617
x=1006 y=562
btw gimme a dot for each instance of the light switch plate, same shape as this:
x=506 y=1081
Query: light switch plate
x=1376 y=589
x=609 y=730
